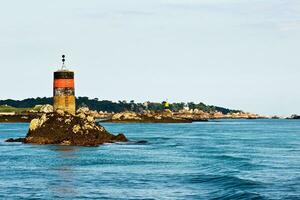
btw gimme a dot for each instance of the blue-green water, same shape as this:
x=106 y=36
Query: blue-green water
x=240 y=159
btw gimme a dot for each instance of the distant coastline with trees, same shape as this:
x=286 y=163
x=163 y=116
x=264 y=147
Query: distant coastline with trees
x=120 y=106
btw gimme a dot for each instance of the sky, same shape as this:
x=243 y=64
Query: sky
x=240 y=54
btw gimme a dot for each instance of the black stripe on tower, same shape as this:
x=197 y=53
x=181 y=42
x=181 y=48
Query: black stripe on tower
x=63 y=75
x=64 y=92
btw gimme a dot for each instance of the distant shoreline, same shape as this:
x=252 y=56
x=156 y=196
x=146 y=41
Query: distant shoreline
x=19 y=118
x=27 y=117
x=10 y=114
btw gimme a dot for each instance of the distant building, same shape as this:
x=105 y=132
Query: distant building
x=186 y=107
x=166 y=105
x=7 y=113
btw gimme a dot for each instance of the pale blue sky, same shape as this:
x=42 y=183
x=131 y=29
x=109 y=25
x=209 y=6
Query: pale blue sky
x=241 y=54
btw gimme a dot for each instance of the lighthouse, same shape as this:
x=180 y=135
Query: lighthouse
x=64 y=90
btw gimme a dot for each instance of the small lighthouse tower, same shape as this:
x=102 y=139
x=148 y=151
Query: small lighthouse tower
x=64 y=90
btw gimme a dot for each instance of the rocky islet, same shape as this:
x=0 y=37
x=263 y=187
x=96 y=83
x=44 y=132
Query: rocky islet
x=65 y=129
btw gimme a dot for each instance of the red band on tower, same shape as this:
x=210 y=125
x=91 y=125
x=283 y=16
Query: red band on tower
x=64 y=83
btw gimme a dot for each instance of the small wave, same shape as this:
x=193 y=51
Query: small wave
x=239 y=162
x=232 y=195
x=140 y=142
x=226 y=181
x=232 y=158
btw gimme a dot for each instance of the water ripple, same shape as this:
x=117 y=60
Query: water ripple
x=228 y=159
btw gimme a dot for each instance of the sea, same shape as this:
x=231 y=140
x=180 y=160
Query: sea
x=222 y=159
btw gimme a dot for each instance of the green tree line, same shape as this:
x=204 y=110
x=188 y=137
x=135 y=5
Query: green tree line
x=110 y=106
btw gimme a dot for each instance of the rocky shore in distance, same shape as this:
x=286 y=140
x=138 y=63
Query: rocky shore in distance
x=65 y=129
x=18 y=118
x=144 y=116
x=294 y=117
x=167 y=116
x=25 y=116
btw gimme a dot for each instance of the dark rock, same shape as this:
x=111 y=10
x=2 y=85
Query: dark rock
x=294 y=117
x=65 y=129
x=15 y=140
x=141 y=142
